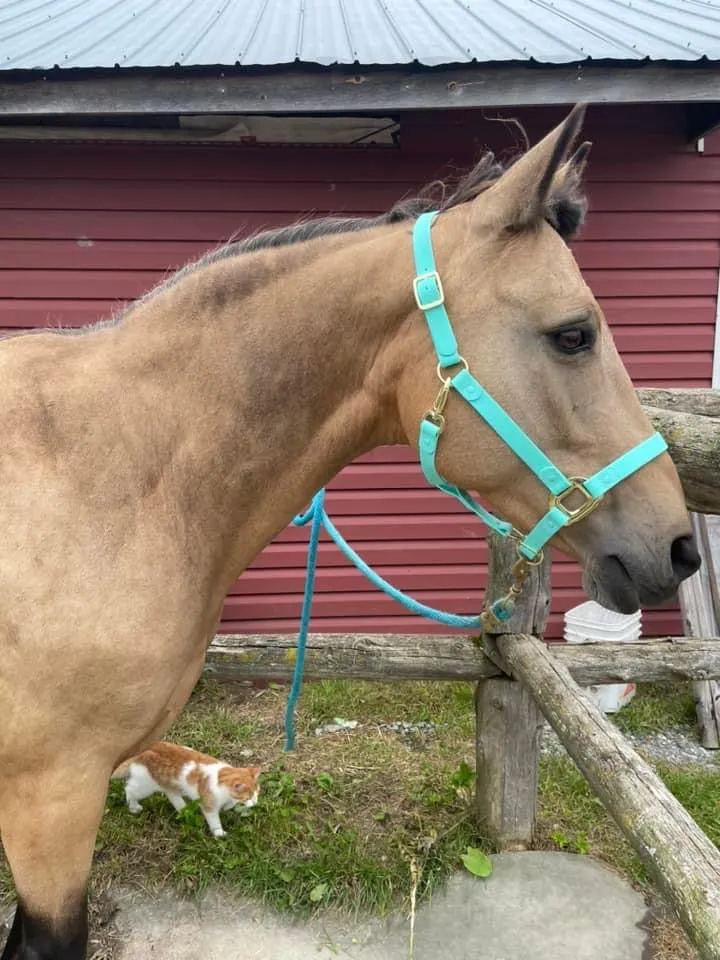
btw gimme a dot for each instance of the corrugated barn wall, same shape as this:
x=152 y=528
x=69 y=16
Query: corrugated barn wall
x=84 y=227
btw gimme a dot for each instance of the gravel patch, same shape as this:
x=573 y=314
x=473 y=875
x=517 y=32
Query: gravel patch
x=339 y=726
x=678 y=746
x=423 y=728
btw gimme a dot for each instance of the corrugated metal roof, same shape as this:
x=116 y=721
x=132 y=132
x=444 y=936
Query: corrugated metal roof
x=40 y=34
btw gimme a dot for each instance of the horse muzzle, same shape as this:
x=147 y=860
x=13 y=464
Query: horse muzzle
x=632 y=578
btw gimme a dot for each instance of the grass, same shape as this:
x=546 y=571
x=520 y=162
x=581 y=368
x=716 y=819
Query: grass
x=344 y=819
x=572 y=818
x=339 y=822
x=657 y=707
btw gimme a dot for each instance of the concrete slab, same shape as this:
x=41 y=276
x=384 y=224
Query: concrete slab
x=548 y=906
x=221 y=929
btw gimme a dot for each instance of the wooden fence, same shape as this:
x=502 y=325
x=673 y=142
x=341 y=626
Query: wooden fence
x=520 y=679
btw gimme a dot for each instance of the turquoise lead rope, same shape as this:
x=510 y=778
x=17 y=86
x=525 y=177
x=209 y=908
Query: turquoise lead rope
x=318 y=519
x=430 y=299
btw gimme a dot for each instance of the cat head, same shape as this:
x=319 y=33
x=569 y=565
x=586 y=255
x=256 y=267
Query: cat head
x=242 y=784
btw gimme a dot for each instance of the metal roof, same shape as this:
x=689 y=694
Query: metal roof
x=40 y=34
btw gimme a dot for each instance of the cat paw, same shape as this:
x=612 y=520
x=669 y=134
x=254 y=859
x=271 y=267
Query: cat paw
x=219 y=833
x=134 y=808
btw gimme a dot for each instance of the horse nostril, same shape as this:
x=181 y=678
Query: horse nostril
x=684 y=557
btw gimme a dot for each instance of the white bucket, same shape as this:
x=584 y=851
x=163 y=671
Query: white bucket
x=590 y=622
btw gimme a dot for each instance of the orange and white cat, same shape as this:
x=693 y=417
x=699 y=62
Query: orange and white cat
x=180 y=772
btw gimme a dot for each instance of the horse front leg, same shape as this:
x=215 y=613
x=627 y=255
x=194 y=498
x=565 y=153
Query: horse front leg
x=49 y=821
x=32 y=938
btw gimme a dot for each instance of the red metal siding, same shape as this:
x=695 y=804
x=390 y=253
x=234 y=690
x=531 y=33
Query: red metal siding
x=83 y=228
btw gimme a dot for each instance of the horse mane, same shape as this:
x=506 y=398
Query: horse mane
x=565 y=212
x=435 y=196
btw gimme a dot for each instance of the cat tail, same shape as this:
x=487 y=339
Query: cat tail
x=123 y=771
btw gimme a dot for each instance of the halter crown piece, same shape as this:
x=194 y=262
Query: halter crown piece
x=431 y=300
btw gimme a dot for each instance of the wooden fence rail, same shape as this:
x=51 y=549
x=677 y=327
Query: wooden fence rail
x=424 y=657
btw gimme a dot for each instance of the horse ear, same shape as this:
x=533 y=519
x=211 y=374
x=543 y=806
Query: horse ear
x=578 y=161
x=570 y=173
x=521 y=195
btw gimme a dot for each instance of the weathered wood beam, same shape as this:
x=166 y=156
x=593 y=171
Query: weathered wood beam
x=700 y=618
x=645 y=661
x=508 y=723
x=297 y=90
x=683 y=861
x=427 y=657
x=694 y=444
x=701 y=401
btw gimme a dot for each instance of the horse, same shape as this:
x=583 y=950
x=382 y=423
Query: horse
x=148 y=459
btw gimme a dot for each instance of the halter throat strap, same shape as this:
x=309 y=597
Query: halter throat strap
x=564 y=492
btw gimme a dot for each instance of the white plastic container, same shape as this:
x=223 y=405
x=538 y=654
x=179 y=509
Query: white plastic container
x=590 y=622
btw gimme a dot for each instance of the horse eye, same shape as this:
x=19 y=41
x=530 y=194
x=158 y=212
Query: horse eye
x=573 y=339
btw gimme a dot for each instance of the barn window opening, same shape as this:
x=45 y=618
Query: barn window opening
x=347 y=131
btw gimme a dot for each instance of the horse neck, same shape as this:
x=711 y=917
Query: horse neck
x=275 y=370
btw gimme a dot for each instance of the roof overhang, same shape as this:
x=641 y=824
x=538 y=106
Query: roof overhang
x=302 y=90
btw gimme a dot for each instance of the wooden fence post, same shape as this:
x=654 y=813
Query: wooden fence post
x=700 y=608
x=508 y=722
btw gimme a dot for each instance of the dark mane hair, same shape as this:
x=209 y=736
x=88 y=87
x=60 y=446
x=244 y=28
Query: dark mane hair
x=565 y=212
x=435 y=196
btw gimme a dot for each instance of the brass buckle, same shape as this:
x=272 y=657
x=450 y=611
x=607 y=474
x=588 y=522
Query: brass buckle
x=577 y=485
x=433 y=275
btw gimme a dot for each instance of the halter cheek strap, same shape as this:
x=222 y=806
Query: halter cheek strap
x=430 y=299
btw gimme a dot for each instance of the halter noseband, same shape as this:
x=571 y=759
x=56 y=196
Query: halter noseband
x=431 y=300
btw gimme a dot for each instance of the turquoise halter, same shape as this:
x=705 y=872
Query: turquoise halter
x=431 y=300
